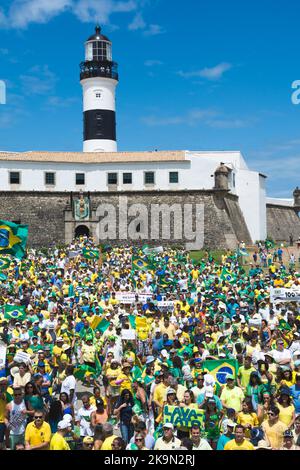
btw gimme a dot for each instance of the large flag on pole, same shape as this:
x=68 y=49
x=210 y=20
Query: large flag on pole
x=219 y=369
x=13 y=238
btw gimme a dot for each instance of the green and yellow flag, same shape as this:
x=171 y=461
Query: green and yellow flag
x=137 y=322
x=226 y=275
x=139 y=263
x=283 y=325
x=13 y=238
x=100 y=324
x=88 y=253
x=14 y=312
x=4 y=263
x=219 y=369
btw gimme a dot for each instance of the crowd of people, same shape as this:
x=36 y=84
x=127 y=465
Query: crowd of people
x=107 y=345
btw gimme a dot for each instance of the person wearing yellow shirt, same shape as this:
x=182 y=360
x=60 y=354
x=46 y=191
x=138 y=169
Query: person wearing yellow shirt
x=168 y=328
x=247 y=417
x=57 y=351
x=159 y=394
x=124 y=379
x=286 y=407
x=37 y=433
x=239 y=442
x=232 y=396
x=107 y=429
x=58 y=441
x=274 y=428
x=245 y=372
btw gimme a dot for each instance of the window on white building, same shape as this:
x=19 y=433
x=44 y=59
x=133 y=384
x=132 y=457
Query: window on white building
x=173 y=177
x=127 y=178
x=112 y=178
x=14 y=177
x=149 y=177
x=50 y=178
x=80 y=178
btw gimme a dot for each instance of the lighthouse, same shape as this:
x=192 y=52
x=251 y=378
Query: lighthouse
x=99 y=78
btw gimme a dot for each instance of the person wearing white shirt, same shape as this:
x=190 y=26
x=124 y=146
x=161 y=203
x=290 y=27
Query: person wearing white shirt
x=198 y=442
x=281 y=355
x=168 y=441
x=83 y=418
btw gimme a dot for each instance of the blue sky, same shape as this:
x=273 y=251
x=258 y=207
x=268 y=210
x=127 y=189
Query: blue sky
x=196 y=75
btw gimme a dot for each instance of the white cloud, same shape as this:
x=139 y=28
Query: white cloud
x=152 y=63
x=59 y=102
x=190 y=118
x=213 y=73
x=100 y=10
x=206 y=117
x=39 y=81
x=23 y=12
x=154 y=30
x=278 y=168
x=2 y=18
x=137 y=22
x=229 y=123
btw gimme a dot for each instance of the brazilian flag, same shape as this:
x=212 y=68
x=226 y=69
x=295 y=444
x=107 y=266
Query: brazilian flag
x=219 y=369
x=3 y=277
x=227 y=276
x=165 y=281
x=139 y=263
x=283 y=325
x=14 y=312
x=13 y=238
x=83 y=370
x=88 y=253
x=4 y=263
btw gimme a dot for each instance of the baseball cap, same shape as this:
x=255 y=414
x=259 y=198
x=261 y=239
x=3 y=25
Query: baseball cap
x=88 y=440
x=230 y=377
x=288 y=433
x=150 y=359
x=63 y=424
x=168 y=426
x=171 y=390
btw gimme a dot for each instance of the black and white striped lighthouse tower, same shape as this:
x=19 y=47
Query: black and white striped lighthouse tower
x=99 y=78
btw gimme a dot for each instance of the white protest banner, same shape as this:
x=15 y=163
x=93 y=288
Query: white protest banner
x=73 y=254
x=22 y=357
x=125 y=297
x=2 y=355
x=166 y=304
x=157 y=249
x=128 y=334
x=282 y=294
x=130 y=297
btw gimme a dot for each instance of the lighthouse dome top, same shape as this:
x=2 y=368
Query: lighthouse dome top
x=98 y=36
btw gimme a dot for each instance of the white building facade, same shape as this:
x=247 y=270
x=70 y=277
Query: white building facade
x=137 y=171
